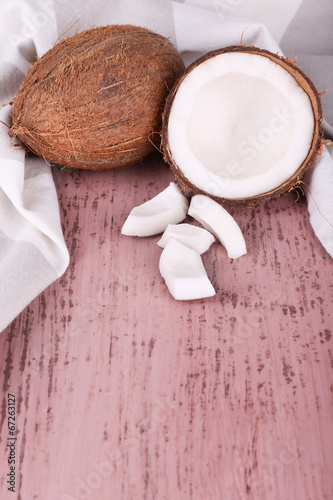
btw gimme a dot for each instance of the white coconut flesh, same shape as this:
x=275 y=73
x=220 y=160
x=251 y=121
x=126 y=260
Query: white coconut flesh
x=239 y=125
x=219 y=222
x=182 y=269
x=194 y=237
x=153 y=217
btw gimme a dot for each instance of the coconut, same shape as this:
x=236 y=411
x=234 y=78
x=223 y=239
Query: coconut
x=194 y=237
x=183 y=271
x=153 y=216
x=242 y=125
x=95 y=100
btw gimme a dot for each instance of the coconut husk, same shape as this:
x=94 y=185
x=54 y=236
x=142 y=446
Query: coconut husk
x=95 y=100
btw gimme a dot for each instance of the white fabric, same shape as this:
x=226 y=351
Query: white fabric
x=219 y=23
x=33 y=253
x=32 y=248
x=318 y=187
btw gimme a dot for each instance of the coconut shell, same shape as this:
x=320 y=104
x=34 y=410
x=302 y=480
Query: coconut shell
x=316 y=146
x=95 y=100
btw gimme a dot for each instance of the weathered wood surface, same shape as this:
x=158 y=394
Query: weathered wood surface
x=126 y=394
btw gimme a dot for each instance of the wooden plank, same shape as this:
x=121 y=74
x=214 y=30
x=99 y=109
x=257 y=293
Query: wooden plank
x=124 y=393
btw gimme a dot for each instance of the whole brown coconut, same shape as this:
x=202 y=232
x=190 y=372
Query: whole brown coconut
x=95 y=100
x=191 y=166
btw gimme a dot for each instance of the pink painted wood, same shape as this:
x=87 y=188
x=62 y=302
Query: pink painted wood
x=124 y=393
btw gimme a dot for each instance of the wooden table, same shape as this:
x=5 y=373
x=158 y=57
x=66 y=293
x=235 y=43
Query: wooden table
x=123 y=393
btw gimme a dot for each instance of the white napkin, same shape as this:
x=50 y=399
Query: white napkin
x=33 y=253
x=32 y=248
x=219 y=23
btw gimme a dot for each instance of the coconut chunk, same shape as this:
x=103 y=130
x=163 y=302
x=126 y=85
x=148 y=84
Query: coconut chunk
x=153 y=217
x=194 y=237
x=182 y=269
x=219 y=222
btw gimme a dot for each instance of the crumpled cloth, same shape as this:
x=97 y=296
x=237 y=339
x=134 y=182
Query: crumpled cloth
x=284 y=27
x=33 y=252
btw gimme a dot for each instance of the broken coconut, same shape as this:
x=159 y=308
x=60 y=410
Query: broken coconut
x=95 y=100
x=242 y=125
x=219 y=222
x=153 y=217
x=194 y=237
x=182 y=269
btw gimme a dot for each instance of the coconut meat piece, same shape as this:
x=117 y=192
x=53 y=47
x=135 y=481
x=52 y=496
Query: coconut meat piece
x=153 y=217
x=239 y=125
x=182 y=269
x=219 y=222
x=194 y=237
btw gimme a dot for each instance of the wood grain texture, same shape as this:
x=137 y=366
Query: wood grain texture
x=124 y=393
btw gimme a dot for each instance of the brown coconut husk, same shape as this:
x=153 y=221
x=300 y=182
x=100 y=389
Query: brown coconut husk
x=317 y=141
x=95 y=100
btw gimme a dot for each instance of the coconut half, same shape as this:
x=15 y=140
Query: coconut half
x=242 y=125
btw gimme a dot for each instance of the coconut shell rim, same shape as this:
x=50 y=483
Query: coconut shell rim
x=317 y=140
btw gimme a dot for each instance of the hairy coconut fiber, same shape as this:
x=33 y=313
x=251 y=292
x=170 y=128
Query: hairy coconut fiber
x=316 y=145
x=95 y=100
